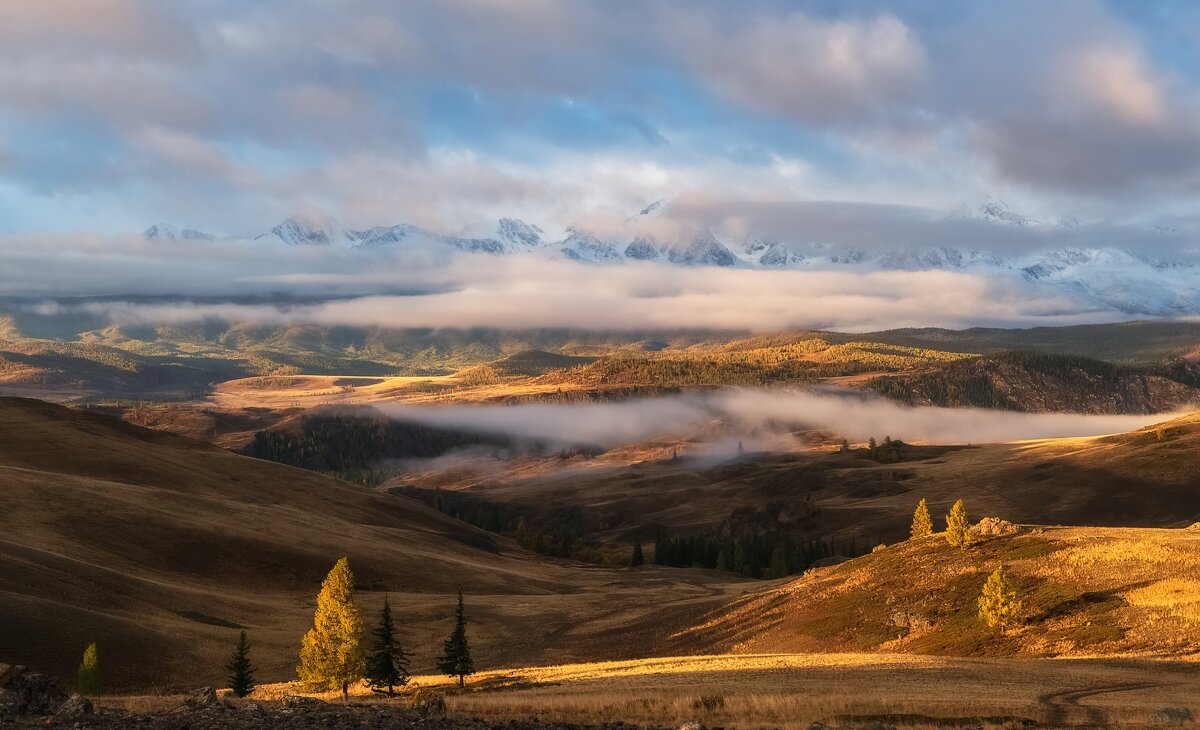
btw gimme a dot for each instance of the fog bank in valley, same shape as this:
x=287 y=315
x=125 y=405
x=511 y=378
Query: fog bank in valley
x=763 y=413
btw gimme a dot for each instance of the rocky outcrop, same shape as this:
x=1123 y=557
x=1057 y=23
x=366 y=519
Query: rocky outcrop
x=24 y=693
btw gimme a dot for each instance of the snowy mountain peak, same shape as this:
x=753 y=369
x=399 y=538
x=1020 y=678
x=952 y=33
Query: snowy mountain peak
x=999 y=211
x=703 y=249
x=306 y=231
x=167 y=232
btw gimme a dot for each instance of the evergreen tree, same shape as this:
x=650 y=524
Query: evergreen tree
x=741 y=557
x=957 y=526
x=845 y=446
x=241 y=672
x=998 y=603
x=455 y=660
x=638 y=558
x=725 y=555
x=387 y=662
x=88 y=680
x=922 y=525
x=331 y=653
x=778 y=567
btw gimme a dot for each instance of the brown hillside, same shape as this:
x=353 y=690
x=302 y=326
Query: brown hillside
x=1038 y=383
x=160 y=548
x=1085 y=591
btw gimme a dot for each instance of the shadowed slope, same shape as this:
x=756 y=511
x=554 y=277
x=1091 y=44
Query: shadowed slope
x=160 y=548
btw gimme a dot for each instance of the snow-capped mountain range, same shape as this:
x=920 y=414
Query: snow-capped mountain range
x=1106 y=277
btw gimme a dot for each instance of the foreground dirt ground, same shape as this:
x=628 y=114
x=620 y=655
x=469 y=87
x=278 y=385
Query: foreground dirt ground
x=796 y=690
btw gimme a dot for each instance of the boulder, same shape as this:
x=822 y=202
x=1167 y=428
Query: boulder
x=75 y=706
x=301 y=701
x=203 y=697
x=692 y=725
x=430 y=701
x=7 y=672
x=993 y=527
x=10 y=706
x=30 y=693
x=1166 y=716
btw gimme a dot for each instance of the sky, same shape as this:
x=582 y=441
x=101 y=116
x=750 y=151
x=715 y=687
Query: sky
x=228 y=116
x=860 y=123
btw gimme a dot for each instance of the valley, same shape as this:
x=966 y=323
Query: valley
x=774 y=531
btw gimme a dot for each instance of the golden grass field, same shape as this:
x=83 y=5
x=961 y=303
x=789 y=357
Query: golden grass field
x=792 y=691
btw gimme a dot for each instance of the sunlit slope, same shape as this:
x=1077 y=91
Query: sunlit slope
x=1084 y=590
x=1145 y=478
x=160 y=548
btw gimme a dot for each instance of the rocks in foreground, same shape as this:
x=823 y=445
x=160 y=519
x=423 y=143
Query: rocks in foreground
x=328 y=716
x=25 y=692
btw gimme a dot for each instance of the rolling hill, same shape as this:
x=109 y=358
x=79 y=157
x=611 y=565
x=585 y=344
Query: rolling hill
x=1041 y=383
x=1144 y=478
x=1084 y=592
x=160 y=548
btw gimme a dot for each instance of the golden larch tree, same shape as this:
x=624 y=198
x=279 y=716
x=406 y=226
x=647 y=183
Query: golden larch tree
x=331 y=656
x=922 y=525
x=957 y=526
x=998 y=603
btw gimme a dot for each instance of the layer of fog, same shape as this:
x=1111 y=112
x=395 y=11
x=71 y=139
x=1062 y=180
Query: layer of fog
x=527 y=292
x=762 y=414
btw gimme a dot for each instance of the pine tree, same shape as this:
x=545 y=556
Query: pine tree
x=778 y=567
x=725 y=555
x=88 y=680
x=957 y=526
x=741 y=557
x=638 y=558
x=241 y=672
x=456 y=660
x=922 y=525
x=331 y=654
x=387 y=662
x=998 y=603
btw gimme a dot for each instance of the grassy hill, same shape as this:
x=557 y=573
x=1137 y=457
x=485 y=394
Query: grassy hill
x=160 y=548
x=1085 y=591
x=1145 y=478
x=1040 y=382
x=79 y=356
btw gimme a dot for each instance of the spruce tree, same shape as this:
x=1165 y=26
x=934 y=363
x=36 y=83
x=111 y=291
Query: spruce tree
x=387 y=662
x=241 y=672
x=778 y=567
x=455 y=660
x=638 y=558
x=957 y=526
x=725 y=555
x=331 y=653
x=998 y=603
x=922 y=525
x=88 y=680
x=741 y=557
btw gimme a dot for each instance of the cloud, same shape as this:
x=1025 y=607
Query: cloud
x=447 y=290
x=757 y=413
x=229 y=116
x=815 y=70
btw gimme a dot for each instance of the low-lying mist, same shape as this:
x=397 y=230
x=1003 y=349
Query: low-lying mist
x=764 y=415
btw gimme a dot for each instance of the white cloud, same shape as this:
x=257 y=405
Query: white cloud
x=757 y=413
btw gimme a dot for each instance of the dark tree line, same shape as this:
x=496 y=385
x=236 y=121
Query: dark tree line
x=752 y=554
x=562 y=540
x=355 y=447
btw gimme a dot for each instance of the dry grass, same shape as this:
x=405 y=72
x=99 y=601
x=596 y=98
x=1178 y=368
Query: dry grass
x=794 y=690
